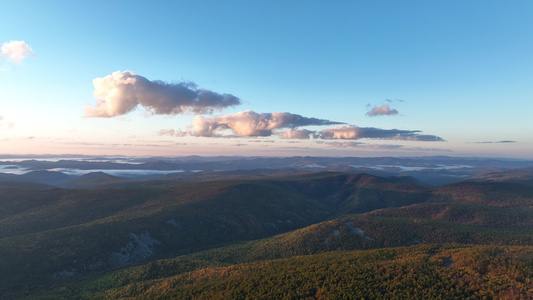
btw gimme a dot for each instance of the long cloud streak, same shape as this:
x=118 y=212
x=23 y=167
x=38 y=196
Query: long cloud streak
x=249 y=123
x=121 y=92
x=352 y=132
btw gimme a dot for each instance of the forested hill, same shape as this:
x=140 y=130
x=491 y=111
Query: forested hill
x=51 y=239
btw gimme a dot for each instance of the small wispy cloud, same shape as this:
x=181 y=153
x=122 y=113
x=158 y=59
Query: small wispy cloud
x=395 y=100
x=343 y=144
x=5 y=123
x=163 y=132
x=495 y=142
x=171 y=132
x=121 y=92
x=16 y=51
x=261 y=141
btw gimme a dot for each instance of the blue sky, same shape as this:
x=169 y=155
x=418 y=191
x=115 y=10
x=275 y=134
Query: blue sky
x=457 y=77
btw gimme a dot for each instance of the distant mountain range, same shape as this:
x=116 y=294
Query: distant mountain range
x=433 y=171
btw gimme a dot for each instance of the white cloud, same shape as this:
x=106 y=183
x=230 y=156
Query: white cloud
x=16 y=51
x=121 y=92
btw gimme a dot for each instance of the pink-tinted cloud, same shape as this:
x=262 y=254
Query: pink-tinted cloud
x=121 y=92
x=16 y=51
x=252 y=124
x=299 y=134
x=383 y=110
x=352 y=132
x=249 y=123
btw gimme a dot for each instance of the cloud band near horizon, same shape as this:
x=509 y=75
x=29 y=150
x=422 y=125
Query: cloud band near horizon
x=251 y=124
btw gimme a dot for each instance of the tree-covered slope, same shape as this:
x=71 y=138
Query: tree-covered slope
x=422 y=272
x=344 y=234
x=51 y=237
x=467 y=214
x=496 y=194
